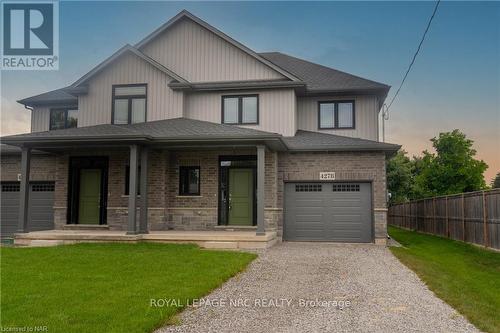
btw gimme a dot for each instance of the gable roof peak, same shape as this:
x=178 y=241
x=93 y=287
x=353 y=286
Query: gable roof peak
x=120 y=52
x=186 y=14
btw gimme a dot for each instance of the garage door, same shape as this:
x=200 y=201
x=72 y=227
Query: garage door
x=41 y=212
x=338 y=212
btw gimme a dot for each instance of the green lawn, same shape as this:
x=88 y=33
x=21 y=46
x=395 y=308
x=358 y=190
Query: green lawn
x=463 y=275
x=107 y=287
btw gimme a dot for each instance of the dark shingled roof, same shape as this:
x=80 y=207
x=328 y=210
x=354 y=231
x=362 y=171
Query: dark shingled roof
x=55 y=96
x=13 y=150
x=182 y=129
x=307 y=141
x=320 y=78
x=317 y=78
x=169 y=129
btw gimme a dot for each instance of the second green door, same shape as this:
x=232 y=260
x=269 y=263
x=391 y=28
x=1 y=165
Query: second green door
x=90 y=196
x=241 y=186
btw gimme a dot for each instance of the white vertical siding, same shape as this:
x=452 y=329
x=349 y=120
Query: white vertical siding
x=162 y=102
x=198 y=55
x=40 y=117
x=366 y=113
x=276 y=109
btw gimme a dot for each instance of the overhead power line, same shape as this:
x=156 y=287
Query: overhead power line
x=414 y=56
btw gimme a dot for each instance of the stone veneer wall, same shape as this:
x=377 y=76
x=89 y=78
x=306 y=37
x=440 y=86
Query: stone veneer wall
x=117 y=200
x=347 y=166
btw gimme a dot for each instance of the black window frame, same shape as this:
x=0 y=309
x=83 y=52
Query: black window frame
x=65 y=110
x=240 y=109
x=336 y=114
x=129 y=98
x=181 y=179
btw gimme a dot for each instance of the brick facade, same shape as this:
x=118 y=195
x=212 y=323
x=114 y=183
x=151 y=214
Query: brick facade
x=355 y=166
x=42 y=167
x=201 y=212
x=169 y=210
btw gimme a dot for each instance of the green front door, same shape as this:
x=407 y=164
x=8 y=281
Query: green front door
x=90 y=196
x=241 y=197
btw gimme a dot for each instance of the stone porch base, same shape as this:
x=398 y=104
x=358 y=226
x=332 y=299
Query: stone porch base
x=205 y=239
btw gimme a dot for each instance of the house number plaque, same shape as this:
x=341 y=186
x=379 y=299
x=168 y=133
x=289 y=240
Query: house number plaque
x=327 y=175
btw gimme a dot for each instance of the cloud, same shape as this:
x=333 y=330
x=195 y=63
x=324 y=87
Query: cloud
x=14 y=118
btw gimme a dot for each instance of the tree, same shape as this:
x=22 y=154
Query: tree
x=495 y=183
x=400 y=177
x=452 y=169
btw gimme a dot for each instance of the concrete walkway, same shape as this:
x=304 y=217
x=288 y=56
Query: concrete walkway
x=319 y=287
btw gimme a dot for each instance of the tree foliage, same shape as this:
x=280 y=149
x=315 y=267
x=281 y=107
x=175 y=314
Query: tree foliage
x=400 y=171
x=495 y=183
x=451 y=169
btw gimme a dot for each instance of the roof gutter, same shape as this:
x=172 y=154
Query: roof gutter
x=214 y=86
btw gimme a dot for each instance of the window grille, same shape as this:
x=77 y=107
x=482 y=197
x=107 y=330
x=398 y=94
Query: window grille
x=308 y=188
x=345 y=187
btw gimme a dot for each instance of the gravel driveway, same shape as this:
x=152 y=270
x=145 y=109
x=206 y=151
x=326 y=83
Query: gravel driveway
x=384 y=295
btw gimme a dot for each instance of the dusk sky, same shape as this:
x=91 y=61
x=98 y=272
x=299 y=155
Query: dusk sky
x=455 y=82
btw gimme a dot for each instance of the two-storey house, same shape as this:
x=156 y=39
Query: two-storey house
x=189 y=130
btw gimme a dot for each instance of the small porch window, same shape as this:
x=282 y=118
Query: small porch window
x=189 y=180
x=63 y=118
x=129 y=104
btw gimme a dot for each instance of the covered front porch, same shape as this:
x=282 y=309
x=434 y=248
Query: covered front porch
x=215 y=191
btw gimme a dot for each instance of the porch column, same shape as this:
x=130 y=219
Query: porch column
x=24 y=190
x=143 y=222
x=261 y=151
x=132 y=195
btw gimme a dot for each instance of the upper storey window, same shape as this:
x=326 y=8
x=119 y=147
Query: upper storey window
x=129 y=104
x=240 y=109
x=336 y=115
x=63 y=118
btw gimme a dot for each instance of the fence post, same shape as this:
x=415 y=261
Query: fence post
x=406 y=216
x=413 y=219
x=463 y=217
x=485 y=221
x=447 y=220
x=434 y=216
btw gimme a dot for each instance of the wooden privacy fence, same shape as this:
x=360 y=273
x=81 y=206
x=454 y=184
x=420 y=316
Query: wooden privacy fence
x=472 y=217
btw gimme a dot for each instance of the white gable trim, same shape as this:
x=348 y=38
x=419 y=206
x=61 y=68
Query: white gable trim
x=186 y=14
x=116 y=55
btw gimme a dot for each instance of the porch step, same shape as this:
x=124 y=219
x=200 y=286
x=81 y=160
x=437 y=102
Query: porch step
x=220 y=245
x=86 y=227
x=205 y=239
x=235 y=228
x=45 y=243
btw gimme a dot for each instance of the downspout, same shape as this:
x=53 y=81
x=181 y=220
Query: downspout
x=31 y=120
